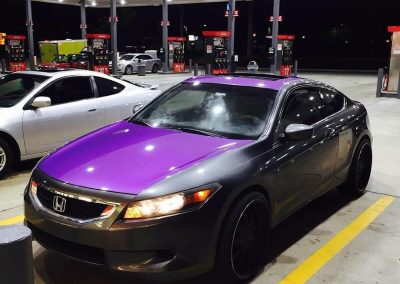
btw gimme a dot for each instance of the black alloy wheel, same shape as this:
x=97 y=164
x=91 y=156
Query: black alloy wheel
x=243 y=244
x=360 y=170
x=364 y=165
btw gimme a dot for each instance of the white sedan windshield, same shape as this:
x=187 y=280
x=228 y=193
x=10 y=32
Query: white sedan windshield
x=14 y=87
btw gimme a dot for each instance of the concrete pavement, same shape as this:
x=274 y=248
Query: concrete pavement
x=372 y=257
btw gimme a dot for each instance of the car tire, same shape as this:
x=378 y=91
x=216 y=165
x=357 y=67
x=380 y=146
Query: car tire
x=360 y=170
x=155 y=68
x=6 y=158
x=128 y=70
x=243 y=241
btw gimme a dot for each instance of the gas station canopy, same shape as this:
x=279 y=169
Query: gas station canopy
x=113 y=4
x=128 y=3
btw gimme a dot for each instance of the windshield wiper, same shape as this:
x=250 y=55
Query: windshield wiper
x=140 y=122
x=198 y=131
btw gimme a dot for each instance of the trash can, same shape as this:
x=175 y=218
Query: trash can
x=252 y=67
x=141 y=69
x=16 y=257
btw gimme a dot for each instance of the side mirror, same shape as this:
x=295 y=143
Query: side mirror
x=299 y=132
x=137 y=108
x=40 y=102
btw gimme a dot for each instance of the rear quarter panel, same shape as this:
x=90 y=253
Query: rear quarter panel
x=120 y=106
x=353 y=128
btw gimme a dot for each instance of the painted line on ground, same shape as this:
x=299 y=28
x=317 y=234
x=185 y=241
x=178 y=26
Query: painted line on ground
x=322 y=256
x=12 y=221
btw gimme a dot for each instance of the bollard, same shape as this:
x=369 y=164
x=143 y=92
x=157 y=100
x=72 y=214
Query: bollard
x=296 y=66
x=380 y=83
x=208 y=69
x=398 y=87
x=190 y=66
x=141 y=70
x=196 y=69
x=16 y=257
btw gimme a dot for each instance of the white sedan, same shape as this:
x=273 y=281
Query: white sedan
x=39 y=111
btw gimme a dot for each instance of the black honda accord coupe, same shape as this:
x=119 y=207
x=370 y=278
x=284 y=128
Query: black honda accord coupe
x=195 y=181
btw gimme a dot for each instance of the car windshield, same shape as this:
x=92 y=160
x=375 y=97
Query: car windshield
x=61 y=59
x=126 y=57
x=211 y=109
x=14 y=87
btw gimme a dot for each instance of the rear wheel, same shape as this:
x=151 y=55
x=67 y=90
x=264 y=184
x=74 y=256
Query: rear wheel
x=128 y=70
x=6 y=158
x=360 y=170
x=155 y=68
x=243 y=243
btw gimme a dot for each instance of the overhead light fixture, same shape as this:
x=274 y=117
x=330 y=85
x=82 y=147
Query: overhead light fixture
x=60 y=1
x=94 y=3
x=123 y=2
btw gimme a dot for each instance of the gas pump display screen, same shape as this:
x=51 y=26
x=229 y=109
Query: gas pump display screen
x=98 y=43
x=14 y=42
x=218 y=42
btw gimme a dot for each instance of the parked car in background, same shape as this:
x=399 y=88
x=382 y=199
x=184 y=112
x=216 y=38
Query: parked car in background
x=68 y=61
x=128 y=63
x=196 y=180
x=39 y=111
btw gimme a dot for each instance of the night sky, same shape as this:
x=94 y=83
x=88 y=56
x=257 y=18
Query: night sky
x=332 y=28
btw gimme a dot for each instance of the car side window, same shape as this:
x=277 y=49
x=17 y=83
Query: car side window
x=304 y=106
x=69 y=90
x=107 y=87
x=333 y=101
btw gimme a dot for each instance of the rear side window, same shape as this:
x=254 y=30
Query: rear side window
x=144 y=57
x=333 y=101
x=107 y=87
x=304 y=106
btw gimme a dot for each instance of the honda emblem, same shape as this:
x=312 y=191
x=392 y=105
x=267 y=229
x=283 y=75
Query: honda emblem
x=59 y=204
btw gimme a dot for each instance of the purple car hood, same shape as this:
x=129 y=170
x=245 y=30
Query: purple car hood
x=128 y=158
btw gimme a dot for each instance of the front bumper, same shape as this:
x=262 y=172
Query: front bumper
x=182 y=245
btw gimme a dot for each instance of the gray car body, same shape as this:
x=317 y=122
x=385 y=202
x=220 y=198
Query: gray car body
x=290 y=174
x=273 y=167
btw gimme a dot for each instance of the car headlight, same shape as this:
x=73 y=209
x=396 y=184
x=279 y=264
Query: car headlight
x=169 y=204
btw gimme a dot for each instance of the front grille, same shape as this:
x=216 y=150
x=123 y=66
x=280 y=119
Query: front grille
x=74 y=208
x=71 y=249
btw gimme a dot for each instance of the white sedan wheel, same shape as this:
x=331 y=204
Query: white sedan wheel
x=3 y=159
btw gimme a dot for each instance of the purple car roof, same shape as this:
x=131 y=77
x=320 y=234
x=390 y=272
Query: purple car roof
x=273 y=82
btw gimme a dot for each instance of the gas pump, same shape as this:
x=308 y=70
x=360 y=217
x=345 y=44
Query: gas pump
x=97 y=48
x=391 y=81
x=177 y=53
x=216 y=51
x=285 y=54
x=15 y=53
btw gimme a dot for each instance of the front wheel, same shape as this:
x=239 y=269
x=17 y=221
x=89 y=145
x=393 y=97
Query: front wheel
x=128 y=70
x=243 y=243
x=360 y=170
x=6 y=158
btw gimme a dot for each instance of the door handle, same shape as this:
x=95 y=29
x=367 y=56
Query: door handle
x=92 y=110
x=329 y=132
